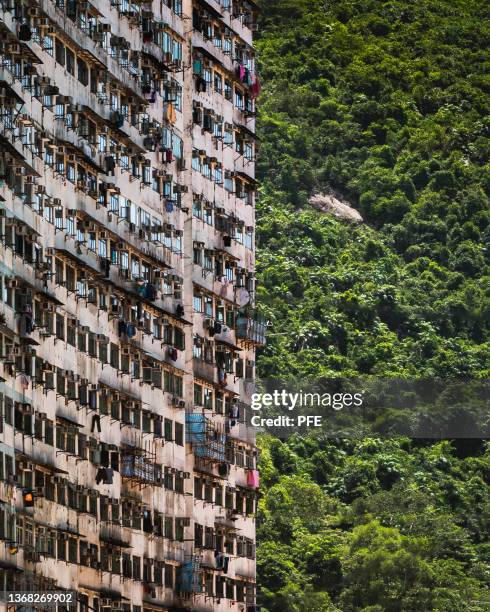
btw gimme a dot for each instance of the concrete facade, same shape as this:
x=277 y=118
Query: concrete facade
x=127 y=321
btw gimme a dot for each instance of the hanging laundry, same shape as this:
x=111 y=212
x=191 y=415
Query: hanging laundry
x=110 y=164
x=169 y=206
x=105 y=475
x=130 y=331
x=221 y=377
x=24 y=382
x=170 y=113
x=173 y=353
x=169 y=156
x=95 y=423
x=253 y=478
x=25 y=32
x=248 y=77
x=255 y=89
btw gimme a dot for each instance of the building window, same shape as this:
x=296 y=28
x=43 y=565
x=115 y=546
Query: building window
x=198 y=303
x=218 y=83
x=238 y=99
x=82 y=71
x=228 y=90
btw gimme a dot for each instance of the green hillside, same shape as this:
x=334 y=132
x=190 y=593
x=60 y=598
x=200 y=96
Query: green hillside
x=386 y=106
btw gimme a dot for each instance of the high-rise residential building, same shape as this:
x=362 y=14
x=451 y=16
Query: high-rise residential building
x=128 y=326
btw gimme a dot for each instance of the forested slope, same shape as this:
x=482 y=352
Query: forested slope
x=386 y=105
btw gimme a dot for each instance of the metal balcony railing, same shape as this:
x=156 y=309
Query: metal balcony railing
x=251 y=330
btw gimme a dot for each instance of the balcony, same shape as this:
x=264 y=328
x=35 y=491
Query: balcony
x=204 y=370
x=251 y=330
x=207 y=442
x=113 y=535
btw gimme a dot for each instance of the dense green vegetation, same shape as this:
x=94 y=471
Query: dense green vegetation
x=373 y=525
x=385 y=104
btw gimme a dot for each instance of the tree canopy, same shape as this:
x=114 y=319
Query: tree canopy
x=386 y=106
